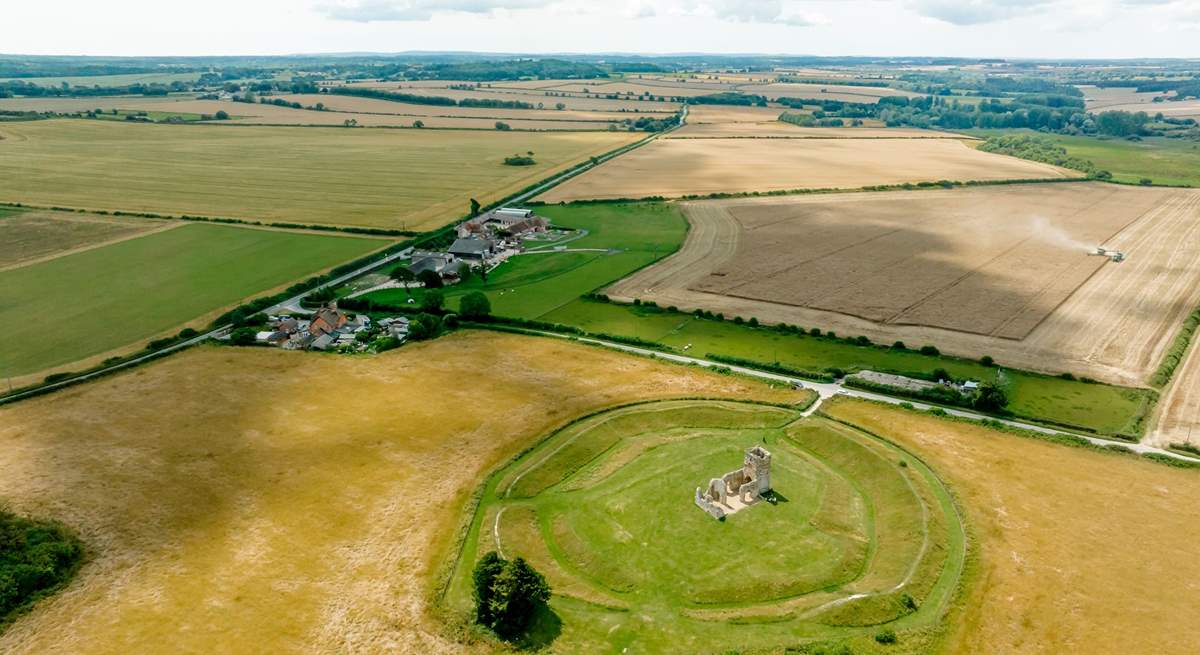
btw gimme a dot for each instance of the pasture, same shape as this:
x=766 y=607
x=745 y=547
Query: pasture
x=396 y=179
x=682 y=167
x=95 y=301
x=229 y=497
x=1000 y=271
x=605 y=508
x=1097 y=407
x=1172 y=162
x=619 y=239
x=1057 y=533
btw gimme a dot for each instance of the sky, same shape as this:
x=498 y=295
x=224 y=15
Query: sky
x=962 y=28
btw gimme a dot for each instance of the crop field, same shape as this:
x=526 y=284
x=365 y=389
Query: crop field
x=398 y=179
x=679 y=167
x=619 y=239
x=1128 y=99
x=863 y=94
x=775 y=129
x=1001 y=271
x=92 y=302
x=1058 y=533
x=1179 y=418
x=702 y=114
x=228 y=497
x=355 y=104
x=124 y=79
x=605 y=508
x=30 y=235
x=267 y=114
x=533 y=97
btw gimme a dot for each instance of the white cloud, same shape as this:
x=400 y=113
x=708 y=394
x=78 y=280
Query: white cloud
x=367 y=11
x=976 y=12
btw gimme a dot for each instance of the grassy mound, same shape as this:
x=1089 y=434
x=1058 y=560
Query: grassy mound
x=857 y=536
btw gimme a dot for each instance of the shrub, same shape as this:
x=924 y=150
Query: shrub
x=816 y=332
x=930 y=351
x=887 y=636
x=737 y=320
x=36 y=557
x=243 y=336
x=753 y=322
x=188 y=333
x=899 y=345
x=430 y=279
x=987 y=360
x=433 y=301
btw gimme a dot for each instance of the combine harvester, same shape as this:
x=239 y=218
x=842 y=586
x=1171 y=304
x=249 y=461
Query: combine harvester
x=1115 y=255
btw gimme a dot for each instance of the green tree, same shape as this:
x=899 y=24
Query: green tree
x=502 y=126
x=424 y=326
x=464 y=272
x=222 y=115
x=433 y=301
x=418 y=124
x=243 y=336
x=486 y=570
x=507 y=594
x=989 y=398
x=430 y=279
x=405 y=276
x=475 y=305
x=474 y=207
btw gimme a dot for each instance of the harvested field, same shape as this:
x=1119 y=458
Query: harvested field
x=1179 y=411
x=1028 y=298
x=402 y=115
x=355 y=104
x=32 y=235
x=679 y=167
x=398 y=179
x=782 y=130
x=698 y=114
x=533 y=97
x=843 y=93
x=1059 y=533
x=227 y=498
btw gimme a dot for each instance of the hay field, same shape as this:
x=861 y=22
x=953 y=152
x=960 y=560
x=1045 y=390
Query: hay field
x=32 y=235
x=91 y=302
x=266 y=513
x=1078 y=551
x=546 y=97
x=399 y=179
x=678 y=167
x=265 y=114
x=844 y=93
x=354 y=104
x=782 y=130
x=1114 y=325
x=1179 y=411
x=698 y=114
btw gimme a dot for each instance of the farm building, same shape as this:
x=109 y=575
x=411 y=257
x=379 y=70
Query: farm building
x=509 y=220
x=472 y=249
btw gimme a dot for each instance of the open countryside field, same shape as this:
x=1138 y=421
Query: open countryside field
x=232 y=502
x=95 y=301
x=107 y=80
x=680 y=167
x=1128 y=99
x=396 y=179
x=1057 y=532
x=1174 y=162
x=1179 y=411
x=861 y=94
x=30 y=235
x=547 y=97
x=775 y=129
x=850 y=532
x=1032 y=296
x=266 y=114
x=355 y=104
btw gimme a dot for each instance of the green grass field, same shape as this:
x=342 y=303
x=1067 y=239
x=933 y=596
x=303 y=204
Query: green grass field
x=1171 y=162
x=604 y=508
x=531 y=285
x=395 y=179
x=84 y=304
x=108 y=80
x=1102 y=408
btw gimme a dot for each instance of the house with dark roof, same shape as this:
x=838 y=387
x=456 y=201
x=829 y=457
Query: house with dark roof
x=472 y=249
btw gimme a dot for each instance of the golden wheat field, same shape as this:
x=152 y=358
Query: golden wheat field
x=246 y=500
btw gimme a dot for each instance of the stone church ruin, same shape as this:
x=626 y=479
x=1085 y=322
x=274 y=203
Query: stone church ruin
x=737 y=489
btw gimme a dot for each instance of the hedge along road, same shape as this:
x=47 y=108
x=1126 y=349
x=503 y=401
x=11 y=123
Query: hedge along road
x=293 y=304
x=829 y=390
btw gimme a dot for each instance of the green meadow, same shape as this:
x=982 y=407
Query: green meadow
x=92 y=302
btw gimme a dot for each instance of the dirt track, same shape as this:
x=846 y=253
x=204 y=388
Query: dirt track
x=1115 y=327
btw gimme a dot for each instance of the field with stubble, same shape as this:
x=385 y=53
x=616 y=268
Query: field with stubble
x=397 y=179
x=1076 y=551
x=682 y=167
x=1001 y=271
x=234 y=501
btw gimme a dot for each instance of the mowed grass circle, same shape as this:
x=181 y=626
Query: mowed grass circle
x=859 y=535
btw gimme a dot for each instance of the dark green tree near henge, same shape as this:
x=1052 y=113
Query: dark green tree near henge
x=508 y=594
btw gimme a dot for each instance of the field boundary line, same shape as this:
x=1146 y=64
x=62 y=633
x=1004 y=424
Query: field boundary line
x=91 y=246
